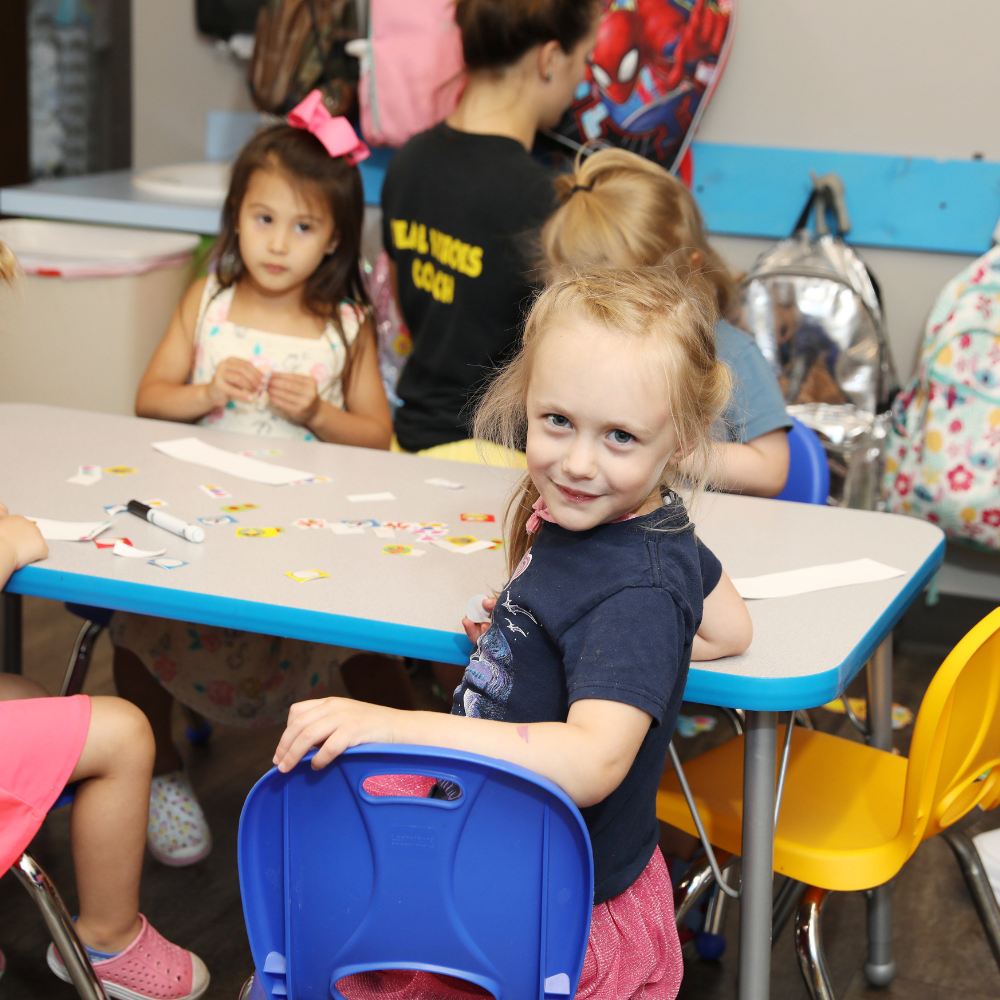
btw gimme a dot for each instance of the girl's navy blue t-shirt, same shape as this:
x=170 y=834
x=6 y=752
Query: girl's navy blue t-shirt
x=608 y=613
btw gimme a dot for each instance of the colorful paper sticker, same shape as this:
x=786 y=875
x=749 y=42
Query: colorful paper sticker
x=307 y=575
x=394 y=524
x=465 y=547
x=462 y=540
x=258 y=532
x=364 y=522
x=215 y=492
x=309 y=522
x=121 y=470
x=339 y=528
x=445 y=484
x=311 y=481
x=86 y=475
x=109 y=543
x=115 y=508
x=262 y=453
x=218 y=519
x=165 y=563
x=497 y=544
x=402 y=550
x=157 y=503
x=478 y=517
x=235 y=508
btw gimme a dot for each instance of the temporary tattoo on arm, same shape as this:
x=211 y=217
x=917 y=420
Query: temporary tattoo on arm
x=522 y=731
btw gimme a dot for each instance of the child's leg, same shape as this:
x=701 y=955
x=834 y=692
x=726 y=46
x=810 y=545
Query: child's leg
x=14 y=686
x=109 y=823
x=136 y=684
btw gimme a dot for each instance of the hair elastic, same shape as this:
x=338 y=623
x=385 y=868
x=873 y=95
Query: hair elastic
x=581 y=187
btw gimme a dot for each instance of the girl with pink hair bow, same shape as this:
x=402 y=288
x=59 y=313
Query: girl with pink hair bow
x=277 y=341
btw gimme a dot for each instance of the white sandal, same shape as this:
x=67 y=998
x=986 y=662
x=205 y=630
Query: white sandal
x=178 y=832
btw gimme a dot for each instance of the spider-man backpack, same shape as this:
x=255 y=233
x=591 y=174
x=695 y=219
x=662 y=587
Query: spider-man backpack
x=652 y=73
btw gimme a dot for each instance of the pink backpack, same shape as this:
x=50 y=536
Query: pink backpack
x=411 y=75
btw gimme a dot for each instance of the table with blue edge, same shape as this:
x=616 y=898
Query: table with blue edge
x=806 y=649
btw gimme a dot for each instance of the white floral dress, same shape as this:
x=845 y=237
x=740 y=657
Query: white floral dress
x=217 y=338
x=233 y=677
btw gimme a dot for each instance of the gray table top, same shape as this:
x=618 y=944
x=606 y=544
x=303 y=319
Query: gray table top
x=805 y=648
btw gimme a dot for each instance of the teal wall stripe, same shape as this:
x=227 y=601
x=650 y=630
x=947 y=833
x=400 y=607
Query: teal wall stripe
x=902 y=202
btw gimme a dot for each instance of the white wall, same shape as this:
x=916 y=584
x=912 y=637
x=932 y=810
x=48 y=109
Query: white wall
x=901 y=77
x=176 y=77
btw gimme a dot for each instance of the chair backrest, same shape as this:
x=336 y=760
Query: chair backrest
x=954 y=760
x=808 y=470
x=494 y=886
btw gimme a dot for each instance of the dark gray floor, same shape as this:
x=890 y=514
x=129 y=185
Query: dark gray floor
x=941 y=951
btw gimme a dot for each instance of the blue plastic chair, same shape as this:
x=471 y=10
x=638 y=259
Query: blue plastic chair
x=494 y=887
x=808 y=469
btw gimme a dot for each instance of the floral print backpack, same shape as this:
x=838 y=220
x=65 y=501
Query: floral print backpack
x=943 y=446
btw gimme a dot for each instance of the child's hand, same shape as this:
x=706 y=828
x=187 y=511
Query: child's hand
x=234 y=379
x=336 y=723
x=475 y=629
x=23 y=538
x=297 y=396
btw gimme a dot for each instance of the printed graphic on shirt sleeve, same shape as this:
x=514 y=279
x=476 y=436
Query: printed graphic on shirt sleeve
x=488 y=681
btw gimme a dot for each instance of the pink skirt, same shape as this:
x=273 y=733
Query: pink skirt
x=633 y=952
x=41 y=740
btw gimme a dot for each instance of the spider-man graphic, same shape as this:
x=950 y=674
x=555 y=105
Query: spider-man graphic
x=650 y=69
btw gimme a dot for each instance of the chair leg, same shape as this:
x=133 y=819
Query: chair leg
x=880 y=969
x=79 y=661
x=786 y=902
x=979 y=886
x=57 y=919
x=809 y=944
x=693 y=883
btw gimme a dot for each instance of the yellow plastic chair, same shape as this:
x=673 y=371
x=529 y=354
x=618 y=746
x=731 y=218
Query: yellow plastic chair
x=851 y=815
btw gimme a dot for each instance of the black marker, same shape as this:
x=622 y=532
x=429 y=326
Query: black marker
x=166 y=521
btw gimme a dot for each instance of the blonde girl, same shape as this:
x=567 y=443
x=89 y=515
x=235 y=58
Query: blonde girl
x=276 y=341
x=581 y=671
x=623 y=210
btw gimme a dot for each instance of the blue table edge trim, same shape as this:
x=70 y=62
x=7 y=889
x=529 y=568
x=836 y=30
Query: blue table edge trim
x=229 y=612
x=703 y=686
x=706 y=687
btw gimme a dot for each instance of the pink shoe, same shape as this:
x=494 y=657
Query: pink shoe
x=150 y=968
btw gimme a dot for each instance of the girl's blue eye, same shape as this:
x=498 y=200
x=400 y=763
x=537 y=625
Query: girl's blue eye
x=303 y=227
x=558 y=420
x=264 y=218
x=621 y=437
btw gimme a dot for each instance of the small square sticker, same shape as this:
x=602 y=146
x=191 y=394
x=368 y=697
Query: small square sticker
x=306 y=575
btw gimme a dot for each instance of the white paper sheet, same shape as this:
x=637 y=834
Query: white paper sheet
x=199 y=452
x=369 y=497
x=804 y=581
x=70 y=531
x=131 y=552
x=384 y=532
x=445 y=484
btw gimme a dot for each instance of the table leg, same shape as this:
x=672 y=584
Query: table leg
x=11 y=633
x=880 y=969
x=760 y=758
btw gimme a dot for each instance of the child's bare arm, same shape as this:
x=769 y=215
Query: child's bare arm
x=587 y=756
x=757 y=468
x=726 y=628
x=163 y=392
x=20 y=543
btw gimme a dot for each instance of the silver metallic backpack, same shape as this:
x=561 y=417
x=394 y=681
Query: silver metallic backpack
x=814 y=309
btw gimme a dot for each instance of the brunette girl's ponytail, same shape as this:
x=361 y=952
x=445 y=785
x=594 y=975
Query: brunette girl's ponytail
x=496 y=33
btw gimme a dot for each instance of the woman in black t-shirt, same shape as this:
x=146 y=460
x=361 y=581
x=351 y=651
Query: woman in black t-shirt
x=460 y=200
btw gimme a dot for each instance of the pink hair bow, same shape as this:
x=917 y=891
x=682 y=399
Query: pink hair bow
x=336 y=134
x=540 y=512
